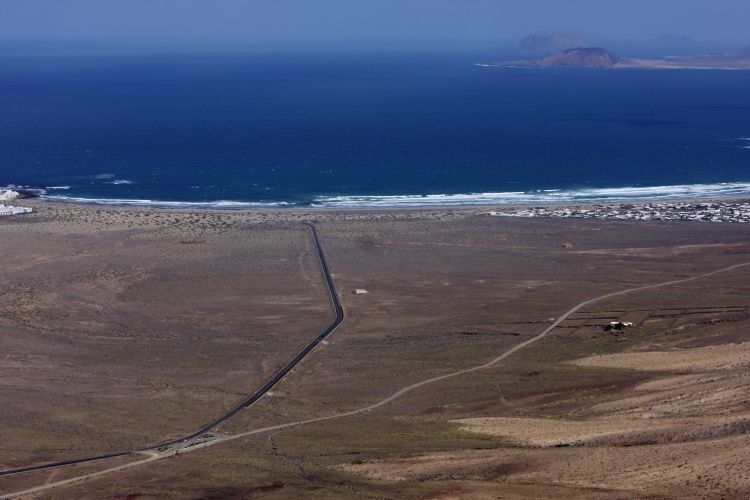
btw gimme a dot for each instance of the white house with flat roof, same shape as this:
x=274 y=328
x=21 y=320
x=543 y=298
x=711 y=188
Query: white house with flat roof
x=14 y=210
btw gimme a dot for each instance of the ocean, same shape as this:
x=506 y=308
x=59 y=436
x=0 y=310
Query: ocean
x=335 y=128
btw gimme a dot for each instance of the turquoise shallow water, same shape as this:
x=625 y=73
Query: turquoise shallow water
x=336 y=128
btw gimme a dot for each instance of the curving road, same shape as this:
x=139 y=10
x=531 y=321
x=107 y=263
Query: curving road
x=189 y=439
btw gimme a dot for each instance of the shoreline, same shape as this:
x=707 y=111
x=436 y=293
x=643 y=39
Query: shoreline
x=629 y=63
x=41 y=201
x=92 y=217
x=438 y=201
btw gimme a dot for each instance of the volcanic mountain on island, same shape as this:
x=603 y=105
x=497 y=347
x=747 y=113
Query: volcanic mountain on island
x=580 y=57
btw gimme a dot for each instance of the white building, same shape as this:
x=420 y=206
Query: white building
x=9 y=210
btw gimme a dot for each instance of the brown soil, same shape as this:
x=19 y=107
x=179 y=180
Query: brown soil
x=125 y=327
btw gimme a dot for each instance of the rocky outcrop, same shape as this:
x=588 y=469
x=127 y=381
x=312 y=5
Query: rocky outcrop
x=8 y=194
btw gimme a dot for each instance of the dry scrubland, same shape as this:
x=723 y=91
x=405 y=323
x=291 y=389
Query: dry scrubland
x=122 y=327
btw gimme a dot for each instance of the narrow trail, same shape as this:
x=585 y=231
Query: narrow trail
x=87 y=477
x=392 y=397
x=494 y=361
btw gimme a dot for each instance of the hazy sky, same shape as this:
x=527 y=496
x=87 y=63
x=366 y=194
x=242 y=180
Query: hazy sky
x=366 y=20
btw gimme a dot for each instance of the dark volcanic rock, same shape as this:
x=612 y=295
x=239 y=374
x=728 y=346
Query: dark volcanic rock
x=550 y=43
x=581 y=58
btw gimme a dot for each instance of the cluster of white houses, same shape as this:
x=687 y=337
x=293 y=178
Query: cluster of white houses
x=9 y=194
x=710 y=212
x=10 y=210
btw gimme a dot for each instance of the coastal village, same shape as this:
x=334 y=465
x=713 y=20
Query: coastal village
x=706 y=212
x=7 y=195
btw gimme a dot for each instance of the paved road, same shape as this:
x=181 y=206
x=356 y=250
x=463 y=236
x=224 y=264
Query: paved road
x=188 y=440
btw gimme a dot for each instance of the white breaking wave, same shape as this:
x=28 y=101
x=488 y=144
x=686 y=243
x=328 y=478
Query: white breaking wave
x=57 y=187
x=545 y=197
x=217 y=205
x=539 y=197
x=120 y=181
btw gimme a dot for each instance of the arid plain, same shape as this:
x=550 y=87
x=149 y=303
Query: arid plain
x=121 y=328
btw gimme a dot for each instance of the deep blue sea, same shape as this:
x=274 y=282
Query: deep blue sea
x=339 y=128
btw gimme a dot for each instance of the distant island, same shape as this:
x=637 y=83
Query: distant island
x=593 y=57
x=550 y=41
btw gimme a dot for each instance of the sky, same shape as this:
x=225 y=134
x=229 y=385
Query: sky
x=347 y=21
